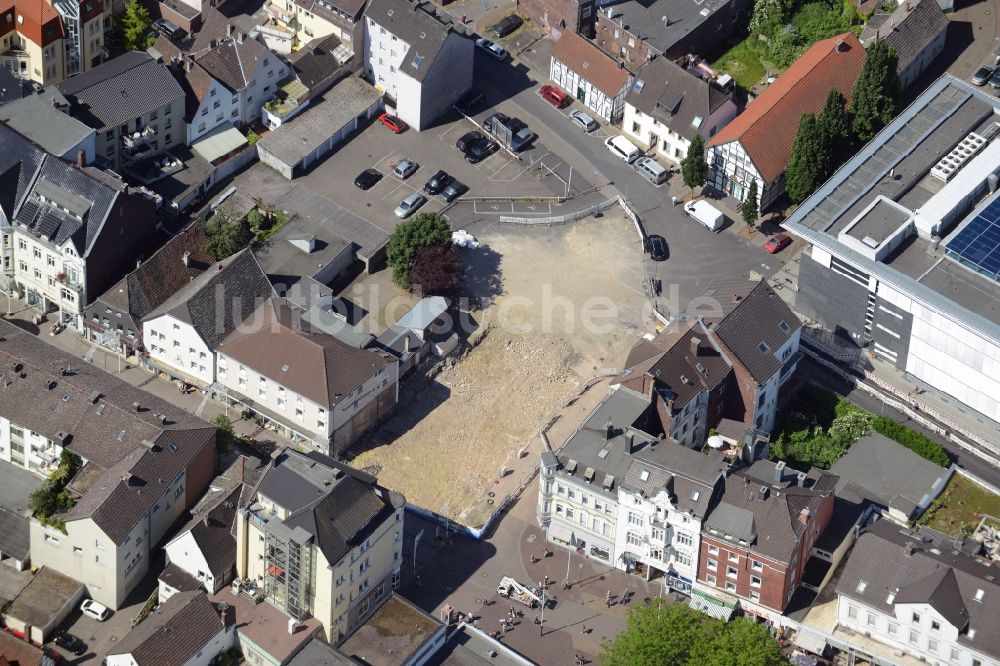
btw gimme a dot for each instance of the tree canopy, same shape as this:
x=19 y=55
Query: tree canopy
x=694 y=168
x=136 y=27
x=834 y=128
x=227 y=232
x=806 y=163
x=423 y=230
x=660 y=633
x=876 y=97
x=436 y=270
x=749 y=209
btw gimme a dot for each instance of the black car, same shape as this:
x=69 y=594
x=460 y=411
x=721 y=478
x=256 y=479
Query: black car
x=489 y=123
x=470 y=101
x=515 y=125
x=368 y=178
x=507 y=25
x=70 y=642
x=657 y=247
x=438 y=182
x=467 y=139
x=454 y=190
x=481 y=150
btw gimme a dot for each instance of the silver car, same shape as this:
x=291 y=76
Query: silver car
x=410 y=204
x=405 y=169
x=583 y=121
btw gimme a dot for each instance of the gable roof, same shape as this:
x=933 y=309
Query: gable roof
x=36 y=20
x=319 y=61
x=674 y=96
x=690 y=476
x=767 y=128
x=158 y=278
x=878 y=469
x=40 y=119
x=415 y=24
x=122 y=89
x=591 y=63
x=908 y=29
x=691 y=363
x=195 y=82
x=237 y=282
x=234 y=62
x=890 y=565
x=173 y=633
x=277 y=343
x=15 y=652
x=20 y=161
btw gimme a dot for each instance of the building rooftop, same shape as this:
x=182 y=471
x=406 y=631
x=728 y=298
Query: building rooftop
x=392 y=634
x=879 y=470
x=767 y=128
x=42 y=599
x=42 y=119
x=265 y=627
x=15 y=652
x=418 y=25
x=340 y=105
x=318 y=653
x=932 y=161
x=594 y=65
x=11 y=88
x=422 y=315
x=468 y=646
x=908 y=29
x=173 y=633
x=890 y=565
x=234 y=61
x=20 y=161
x=662 y=23
x=319 y=60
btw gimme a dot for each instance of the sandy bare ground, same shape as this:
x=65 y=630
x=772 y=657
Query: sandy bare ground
x=571 y=306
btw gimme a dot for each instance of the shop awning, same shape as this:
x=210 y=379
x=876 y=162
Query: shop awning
x=711 y=606
x=810 y=642
x=561 y=532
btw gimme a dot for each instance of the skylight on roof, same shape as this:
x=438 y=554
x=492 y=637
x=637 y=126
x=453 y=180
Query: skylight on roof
x=389 y=13
x=284 y=368
x=637 y=87
x=172 y=447
x=696 y=122
x=603 y=453
x=417 y=59
x=861 y=586
x=763 y=347
x=121 y=436
x=784 y=326
x=979 y=596
x=423 y=35
x=695 y=494
x=644 y=476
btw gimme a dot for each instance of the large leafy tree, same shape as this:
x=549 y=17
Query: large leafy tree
x=741 y=641
x=424 y=230
x=805 y=167
x=694 y=168
x=436 y=270
x=876 y=97
x=227 y=232
x=749 y=209
x=136 y=27
x=834 y=127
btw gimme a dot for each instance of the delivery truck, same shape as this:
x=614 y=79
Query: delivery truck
x=706 y=213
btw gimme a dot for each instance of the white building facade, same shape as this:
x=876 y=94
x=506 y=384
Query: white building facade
x=664 y=141
x=608 y=104
x=30 y=450
x=51 y=276
x=177 y=344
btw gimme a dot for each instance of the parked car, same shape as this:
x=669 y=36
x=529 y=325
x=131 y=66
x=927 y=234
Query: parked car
x=522 y=139
x=493 y=49
x=553 y=96
x=405 y=169
x=93 y=609
x=994 y=80
x=70 y=642
x=497 y=117
x=392 y=122
x=454 y=190
x=481 y=150
x=507 y=25
x=470 y=101
x=583 y=121
x=368 y=178
x=438 y=182
x=515 y=125
x=410 y=204
x=657 y=247
x=982 y=75
x=466 y=140
x=777 y=243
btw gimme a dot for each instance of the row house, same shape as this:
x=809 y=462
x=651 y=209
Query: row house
x=249 y=75
x=319 y=539
x=417 y=58
x=757 y=541
x=32 y=42
x=916 y=30
x=305 y=382
x=668 y=105
x=756 y=146
x=299 y=22
x=589 y=75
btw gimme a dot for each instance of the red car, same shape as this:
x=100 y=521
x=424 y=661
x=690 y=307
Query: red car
x=553 y=96
x=392 y=122
x=777 y=243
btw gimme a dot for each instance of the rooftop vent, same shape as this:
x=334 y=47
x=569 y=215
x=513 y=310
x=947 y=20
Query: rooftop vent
x=570 y=465
x=609 y=482
x=603 y=453
x=588 y=475
x=644 y=475
x=949 y=165
x=100 y=409
x=94 y=397
x=50 y=384
x=135 y=406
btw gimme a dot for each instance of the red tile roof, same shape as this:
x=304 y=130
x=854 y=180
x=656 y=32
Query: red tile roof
x=768 y=125
x=591 y=63
x=36 y=20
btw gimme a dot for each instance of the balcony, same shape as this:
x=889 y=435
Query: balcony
x=282 y=16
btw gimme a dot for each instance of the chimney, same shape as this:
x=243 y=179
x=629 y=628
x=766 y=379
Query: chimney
x=204 y=521
x=81 y=158
x=779 y=471
x=223 y=611
x=841 y=46
x=126 y=478
x=274 y=457
x=406 y=344
x=186 y=259
x=736 y=298
x=763 y=493
x=695 y=346
x=801 y=479
x=609 y=430
x=135 y=406
x=241 y=37
x=630 y=442
x=188 y=63
x=138 y=262
x=909 y=548
x=804 y=516
x=230 y=28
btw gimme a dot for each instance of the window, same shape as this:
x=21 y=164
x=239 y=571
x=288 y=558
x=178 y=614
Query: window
x=916 y=618
x=852 y=612
x=710 y=579
x=730 y=586
x=633 y=539
x=731 y=572
x=77 y=550
x=932 y=646
x=754 y=581
x=712 y=564
x=49 y=539
x=713 y=550
x=754 y=595
x=684 y=539
x=914 y=638
x=733 y=557
x=634 y=519
x=935 y=625
x=757 y=565
x=871 y=619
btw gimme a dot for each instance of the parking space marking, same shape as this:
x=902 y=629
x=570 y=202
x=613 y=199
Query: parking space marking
x=532 y=208
x=399 y=184
x=481 y=207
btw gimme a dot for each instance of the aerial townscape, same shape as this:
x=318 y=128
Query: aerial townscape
x=500 y=332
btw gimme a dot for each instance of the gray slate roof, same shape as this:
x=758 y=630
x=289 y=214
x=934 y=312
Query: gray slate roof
x=889 y=559
x=412 y=23
x=237 y=282
x=212 y=531
x=36 y=117
x=878 y=469
x=15 y=538
x=908 y=30
x=234 y=62
x=674 y=96
x=644 y=19
x=690 y=476
x=20 y=160
x=120 y=90
x=10 y=87
x=173 y=633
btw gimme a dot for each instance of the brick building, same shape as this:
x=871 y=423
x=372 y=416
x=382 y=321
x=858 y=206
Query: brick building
x=559 y=16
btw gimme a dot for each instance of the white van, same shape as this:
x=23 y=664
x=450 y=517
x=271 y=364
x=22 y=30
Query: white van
x=705 y=213
x=652 y=170
x=623 y=148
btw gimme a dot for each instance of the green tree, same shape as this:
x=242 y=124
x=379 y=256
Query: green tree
x=805 y=165
x=136 y=27
x=656 y=633
x=741 y=641
x=767 y=17
x=694 y=168
x=225 y=435
x=876 y=97
x=748 y=209
x=424 y=230
x=227 y=232
x=834 y=127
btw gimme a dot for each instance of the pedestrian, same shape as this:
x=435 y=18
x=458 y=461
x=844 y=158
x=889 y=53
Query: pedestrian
x=607 y=599
x=674 y=199
x=583 y=629
x=546 y=581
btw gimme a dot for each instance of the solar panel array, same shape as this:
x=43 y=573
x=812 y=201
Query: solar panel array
x=978 y=244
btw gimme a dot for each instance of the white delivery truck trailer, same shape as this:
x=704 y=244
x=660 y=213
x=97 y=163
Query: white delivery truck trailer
x=705 y=213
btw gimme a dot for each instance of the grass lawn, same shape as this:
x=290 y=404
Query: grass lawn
x=958 y=508
x=742 y=62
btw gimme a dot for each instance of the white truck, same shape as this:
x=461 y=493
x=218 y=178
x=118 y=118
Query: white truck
x=705 y=213
x=511 y=589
